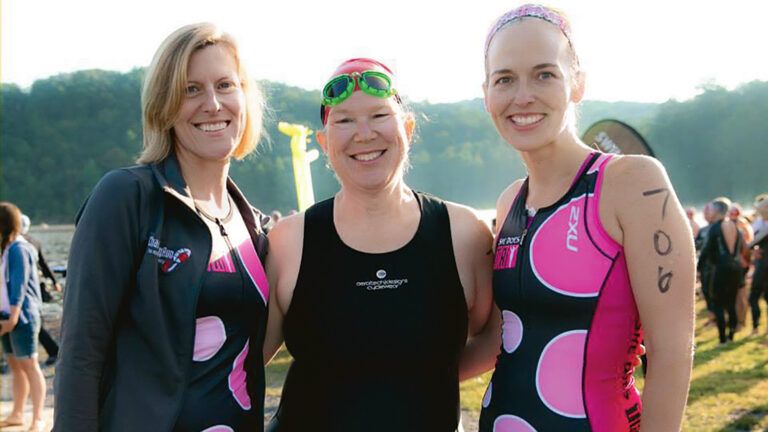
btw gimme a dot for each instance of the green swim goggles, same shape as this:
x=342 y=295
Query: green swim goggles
x=373 y=83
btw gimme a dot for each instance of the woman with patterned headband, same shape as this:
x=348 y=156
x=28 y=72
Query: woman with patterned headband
x=375 y=289
x=593 y=254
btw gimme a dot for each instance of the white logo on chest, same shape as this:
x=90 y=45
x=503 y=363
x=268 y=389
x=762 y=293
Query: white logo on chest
x=573 y=233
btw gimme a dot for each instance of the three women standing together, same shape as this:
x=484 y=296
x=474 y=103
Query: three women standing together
x=383 y=295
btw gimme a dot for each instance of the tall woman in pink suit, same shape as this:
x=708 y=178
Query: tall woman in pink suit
x=593 y=253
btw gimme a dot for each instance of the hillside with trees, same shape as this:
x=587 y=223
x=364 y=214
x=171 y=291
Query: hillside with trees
x=60 y=136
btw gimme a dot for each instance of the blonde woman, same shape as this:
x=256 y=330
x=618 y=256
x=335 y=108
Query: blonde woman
x=166 y=301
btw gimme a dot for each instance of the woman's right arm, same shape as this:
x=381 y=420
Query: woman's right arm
x=480 y=352
x=101 y=269
x=286 y=241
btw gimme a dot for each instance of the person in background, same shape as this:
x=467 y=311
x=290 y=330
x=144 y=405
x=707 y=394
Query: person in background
x=49 y=344
x=593 y=254
x=274 y=218
x=747 y=234
x=721 y=251
x=690 y=213
x=759 y=246
x=166 y=302
x=704 y=269
x=760 y=221
x=20 y=303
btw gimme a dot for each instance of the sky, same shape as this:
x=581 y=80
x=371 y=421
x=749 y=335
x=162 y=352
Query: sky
x=644 y=51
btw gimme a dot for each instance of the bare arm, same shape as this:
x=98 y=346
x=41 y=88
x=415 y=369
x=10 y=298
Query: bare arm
x=641 y=203
x=472 y=248
x=483 y=346
x=283 y=262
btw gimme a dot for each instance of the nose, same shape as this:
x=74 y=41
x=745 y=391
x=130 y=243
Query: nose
x=211 y=104
x=523 y=94
x=364 y=131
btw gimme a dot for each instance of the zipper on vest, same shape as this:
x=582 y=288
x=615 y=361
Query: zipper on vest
x=520 y=262
x=234 y=253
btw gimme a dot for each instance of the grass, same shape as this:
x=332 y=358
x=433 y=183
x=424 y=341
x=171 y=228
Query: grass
x=729 y=384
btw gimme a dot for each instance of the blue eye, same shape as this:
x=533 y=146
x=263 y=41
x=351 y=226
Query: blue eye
x=191 y=90
x=546 y=75
x=503 y=80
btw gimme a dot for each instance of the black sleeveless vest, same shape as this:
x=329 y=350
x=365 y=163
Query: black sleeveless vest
x=375 y=338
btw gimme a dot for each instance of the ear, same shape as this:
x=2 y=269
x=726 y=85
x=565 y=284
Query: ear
x=579 y=86
x=321 y=138
x=410 y=126
x=485 y=95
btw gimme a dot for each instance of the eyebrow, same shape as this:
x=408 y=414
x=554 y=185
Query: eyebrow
x=537 y=67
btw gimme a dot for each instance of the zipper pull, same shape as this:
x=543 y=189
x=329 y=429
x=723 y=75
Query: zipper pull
x=221 y=228
x=522 y=236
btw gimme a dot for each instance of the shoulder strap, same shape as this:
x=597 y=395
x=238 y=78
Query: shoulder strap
x=318 y=226
x=436 y=224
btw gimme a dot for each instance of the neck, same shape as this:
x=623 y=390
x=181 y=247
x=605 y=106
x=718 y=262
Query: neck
x=373 y=205
x=551 y=162
x=206 y=180
x=552 y=168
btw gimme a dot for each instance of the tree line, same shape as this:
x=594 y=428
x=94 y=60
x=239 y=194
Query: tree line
x=58 y=137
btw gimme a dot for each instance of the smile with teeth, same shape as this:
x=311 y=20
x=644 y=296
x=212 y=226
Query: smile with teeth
x=526 y=119
x=212 y=127
x=366 y=157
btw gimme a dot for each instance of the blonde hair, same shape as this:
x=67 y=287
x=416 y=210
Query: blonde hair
x=164 y=91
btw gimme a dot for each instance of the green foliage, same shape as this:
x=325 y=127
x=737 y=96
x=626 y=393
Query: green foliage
x=61 y=135
x=716 y=143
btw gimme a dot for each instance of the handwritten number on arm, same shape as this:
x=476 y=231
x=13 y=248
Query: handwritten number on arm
x=666 y=199
x=664 y=280
x=662 y=243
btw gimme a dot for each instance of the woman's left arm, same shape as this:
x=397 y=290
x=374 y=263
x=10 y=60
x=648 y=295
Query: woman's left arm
x=640 y=201
x=19 y=273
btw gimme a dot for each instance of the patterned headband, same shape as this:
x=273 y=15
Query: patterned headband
x=534 y=11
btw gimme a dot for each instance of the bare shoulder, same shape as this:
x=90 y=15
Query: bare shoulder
x=509 y=194
x=466 y=224
x=286 y=237
x=631 y=177
x=635 y=172
x=505 y=200
x=286 y=241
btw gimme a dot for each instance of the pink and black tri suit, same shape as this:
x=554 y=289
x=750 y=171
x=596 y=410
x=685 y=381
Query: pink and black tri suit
x=570 y=324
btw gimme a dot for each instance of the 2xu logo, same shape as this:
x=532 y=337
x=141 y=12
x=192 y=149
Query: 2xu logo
x=573 y=234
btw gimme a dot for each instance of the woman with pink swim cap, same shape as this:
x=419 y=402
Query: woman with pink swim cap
x=593 y=254
x=376 y=289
